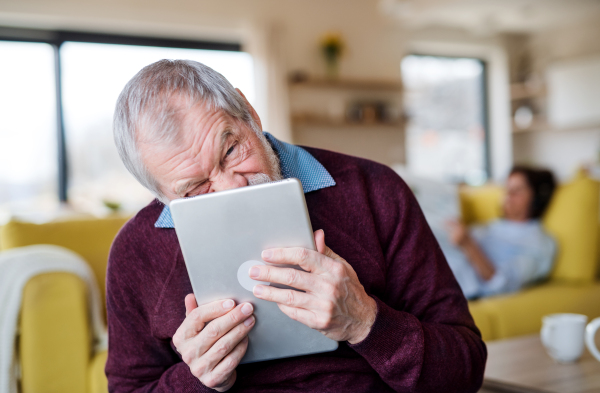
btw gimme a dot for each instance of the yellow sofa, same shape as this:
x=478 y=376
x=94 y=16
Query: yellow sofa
x=55 y=344
x=572 y=218
x=55 y=347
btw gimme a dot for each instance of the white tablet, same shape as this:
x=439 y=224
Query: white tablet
x=223 y=234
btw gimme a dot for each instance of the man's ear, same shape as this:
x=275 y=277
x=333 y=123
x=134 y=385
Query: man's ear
x=252 y=111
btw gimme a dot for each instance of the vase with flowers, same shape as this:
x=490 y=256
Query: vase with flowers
x=332 y=47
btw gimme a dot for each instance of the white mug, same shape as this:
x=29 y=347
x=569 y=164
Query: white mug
x=563 y=336
x=590 y=333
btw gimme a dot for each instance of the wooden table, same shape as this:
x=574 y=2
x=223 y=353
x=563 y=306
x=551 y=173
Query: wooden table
x=521 y=365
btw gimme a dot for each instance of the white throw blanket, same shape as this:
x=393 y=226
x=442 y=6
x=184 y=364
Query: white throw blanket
x=17 y=267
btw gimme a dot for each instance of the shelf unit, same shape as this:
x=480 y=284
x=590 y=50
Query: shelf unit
x=352 y=84
x=346 y=88
x=530 y=95
x=319 y=110
x=538 y=124
x=543 y=126
x=346 y=124
x=523 y=91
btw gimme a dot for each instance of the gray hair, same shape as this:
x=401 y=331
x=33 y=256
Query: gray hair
x=151 y=103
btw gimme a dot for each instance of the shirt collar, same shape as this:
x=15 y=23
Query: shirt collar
x=294 y=162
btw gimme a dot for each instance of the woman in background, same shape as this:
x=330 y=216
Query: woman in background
x=508 y=253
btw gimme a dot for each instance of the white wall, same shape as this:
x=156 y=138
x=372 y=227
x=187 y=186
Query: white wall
x=562 y=150
x=574 y=92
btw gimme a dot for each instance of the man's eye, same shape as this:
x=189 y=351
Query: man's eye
x=231 y=149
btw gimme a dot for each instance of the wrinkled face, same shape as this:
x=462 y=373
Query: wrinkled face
x=215 y=152
x=518 y=198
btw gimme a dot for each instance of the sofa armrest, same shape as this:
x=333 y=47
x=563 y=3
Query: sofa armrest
x=521 y=313
x=55 y=341
x=483 y=320
x=97 y=378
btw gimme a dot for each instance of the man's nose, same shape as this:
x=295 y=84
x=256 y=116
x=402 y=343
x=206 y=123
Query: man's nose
x=228 y=181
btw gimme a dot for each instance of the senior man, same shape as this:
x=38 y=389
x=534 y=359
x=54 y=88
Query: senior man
x=381 y=285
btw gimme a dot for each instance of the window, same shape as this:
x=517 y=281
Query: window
x=34 y=175
x=28 y=149
x=93 y=75
x=446 y=137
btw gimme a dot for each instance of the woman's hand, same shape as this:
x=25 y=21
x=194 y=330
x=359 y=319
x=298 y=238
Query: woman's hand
x=459 y=234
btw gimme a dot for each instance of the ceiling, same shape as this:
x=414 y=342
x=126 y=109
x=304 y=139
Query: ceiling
x=490 y=16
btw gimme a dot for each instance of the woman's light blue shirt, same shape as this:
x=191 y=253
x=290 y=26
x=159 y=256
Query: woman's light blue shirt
x=522 y=253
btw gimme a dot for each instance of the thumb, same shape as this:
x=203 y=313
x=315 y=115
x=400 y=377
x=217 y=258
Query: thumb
x=190 y=303
x=321 y=247
x=320 y=240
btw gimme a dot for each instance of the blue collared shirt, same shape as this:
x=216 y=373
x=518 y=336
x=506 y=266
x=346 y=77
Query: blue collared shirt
x=294 y=162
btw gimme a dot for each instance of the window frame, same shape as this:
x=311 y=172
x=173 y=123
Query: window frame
x=56 y=38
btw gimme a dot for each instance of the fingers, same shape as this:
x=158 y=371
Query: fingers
x=197 y=318
x=221 y=342
x=227 y=384
x=231 y=361
x=288 y=297
x=203 y=354
x=226 y=344
x=190 y=303
x=306 y=317
x=224 y=375
x=241 y=315
x=308 y=260
x=286 y=276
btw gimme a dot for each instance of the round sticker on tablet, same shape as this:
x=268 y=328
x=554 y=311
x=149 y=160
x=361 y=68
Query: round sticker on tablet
x=244 y=276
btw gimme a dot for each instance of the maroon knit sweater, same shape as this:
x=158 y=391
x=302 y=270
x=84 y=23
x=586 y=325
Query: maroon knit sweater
x=423 y=339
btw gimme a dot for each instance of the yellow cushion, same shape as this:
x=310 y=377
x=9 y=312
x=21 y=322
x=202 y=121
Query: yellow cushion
x=97 y=378
x=54 y=344
x=572 y=219
x=521 y=313
x=481 y=204
x=90 y=238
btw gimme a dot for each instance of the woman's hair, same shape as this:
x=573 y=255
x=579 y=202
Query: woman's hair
x=542 y=183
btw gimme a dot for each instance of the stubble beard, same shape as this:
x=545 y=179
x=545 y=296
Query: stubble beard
x=273 y=163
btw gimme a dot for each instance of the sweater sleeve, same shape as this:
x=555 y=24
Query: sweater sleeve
x=138 y=361
x=424 y=338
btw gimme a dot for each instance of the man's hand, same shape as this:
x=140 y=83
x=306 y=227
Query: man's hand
x=213 y=351
x=334 y=302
